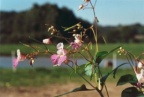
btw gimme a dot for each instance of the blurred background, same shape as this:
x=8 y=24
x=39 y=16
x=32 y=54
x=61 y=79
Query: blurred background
x=120 y=22
x=123 y=19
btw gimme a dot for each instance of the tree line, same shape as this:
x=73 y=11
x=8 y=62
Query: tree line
x=19 y=26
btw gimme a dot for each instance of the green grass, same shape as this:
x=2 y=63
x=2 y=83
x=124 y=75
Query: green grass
x=34 y=77
x=43 y=76
x=134 y=48
x=6 y=49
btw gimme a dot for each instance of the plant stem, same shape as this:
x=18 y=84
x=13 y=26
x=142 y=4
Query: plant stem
x=104 y=83
x=130 y=62
x=38 y=42
x=95 y=36
x=95 y=32
x=82 y=77
x=99 y=91
x=93 y=9
x=84 y=57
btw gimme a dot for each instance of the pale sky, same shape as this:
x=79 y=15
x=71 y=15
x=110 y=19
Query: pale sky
x=109 y=12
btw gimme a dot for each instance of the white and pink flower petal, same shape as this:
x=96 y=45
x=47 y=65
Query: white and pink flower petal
x=61 y=60
x=60 y=45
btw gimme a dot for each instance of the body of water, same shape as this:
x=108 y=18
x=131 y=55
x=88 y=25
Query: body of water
x=6 y=62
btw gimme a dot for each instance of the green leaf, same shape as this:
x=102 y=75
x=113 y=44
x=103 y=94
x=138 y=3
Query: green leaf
x=130 y=92
x=115 y=70
x=101 y=55
x=82 y=66
x=81 y=88
x=88 y=70
x=140 y=95
x=128 y=78
x=103 y=79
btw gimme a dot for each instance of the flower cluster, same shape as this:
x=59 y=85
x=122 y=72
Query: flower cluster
x=60 y=57
x=122 y=51
x=21 y=57
x=52 y=30
x=77 y=42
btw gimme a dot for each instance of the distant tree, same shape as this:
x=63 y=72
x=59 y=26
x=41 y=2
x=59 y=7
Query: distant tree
x=18 y=26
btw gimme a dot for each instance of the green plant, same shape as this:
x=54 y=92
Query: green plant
x=91 y=68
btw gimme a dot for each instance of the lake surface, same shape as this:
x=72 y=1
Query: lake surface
x=6 y=62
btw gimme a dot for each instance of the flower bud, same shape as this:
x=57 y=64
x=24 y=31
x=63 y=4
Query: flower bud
x=140 y=65
x=99 y=84
x=47 y=41
x=31 y=61
x=81 y=7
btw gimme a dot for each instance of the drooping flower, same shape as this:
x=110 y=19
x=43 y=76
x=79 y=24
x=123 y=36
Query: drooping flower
x=15 y=62
x=139 y=71
x=47 y=41
x=140 y=76
x=31 y=61
x=19 y=58
x=60 y=57
x=77 y=42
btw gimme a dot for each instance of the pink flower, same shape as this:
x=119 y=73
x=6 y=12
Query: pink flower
x=47 y=41
x=139 y=71
x=19 y=58
x=77 y=42
x=78 y=38
x=15 y=62
x=75 y=45
x=60 y=57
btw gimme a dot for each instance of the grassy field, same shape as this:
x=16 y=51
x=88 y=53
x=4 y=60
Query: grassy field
x=6 y=49
x=43 y=76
